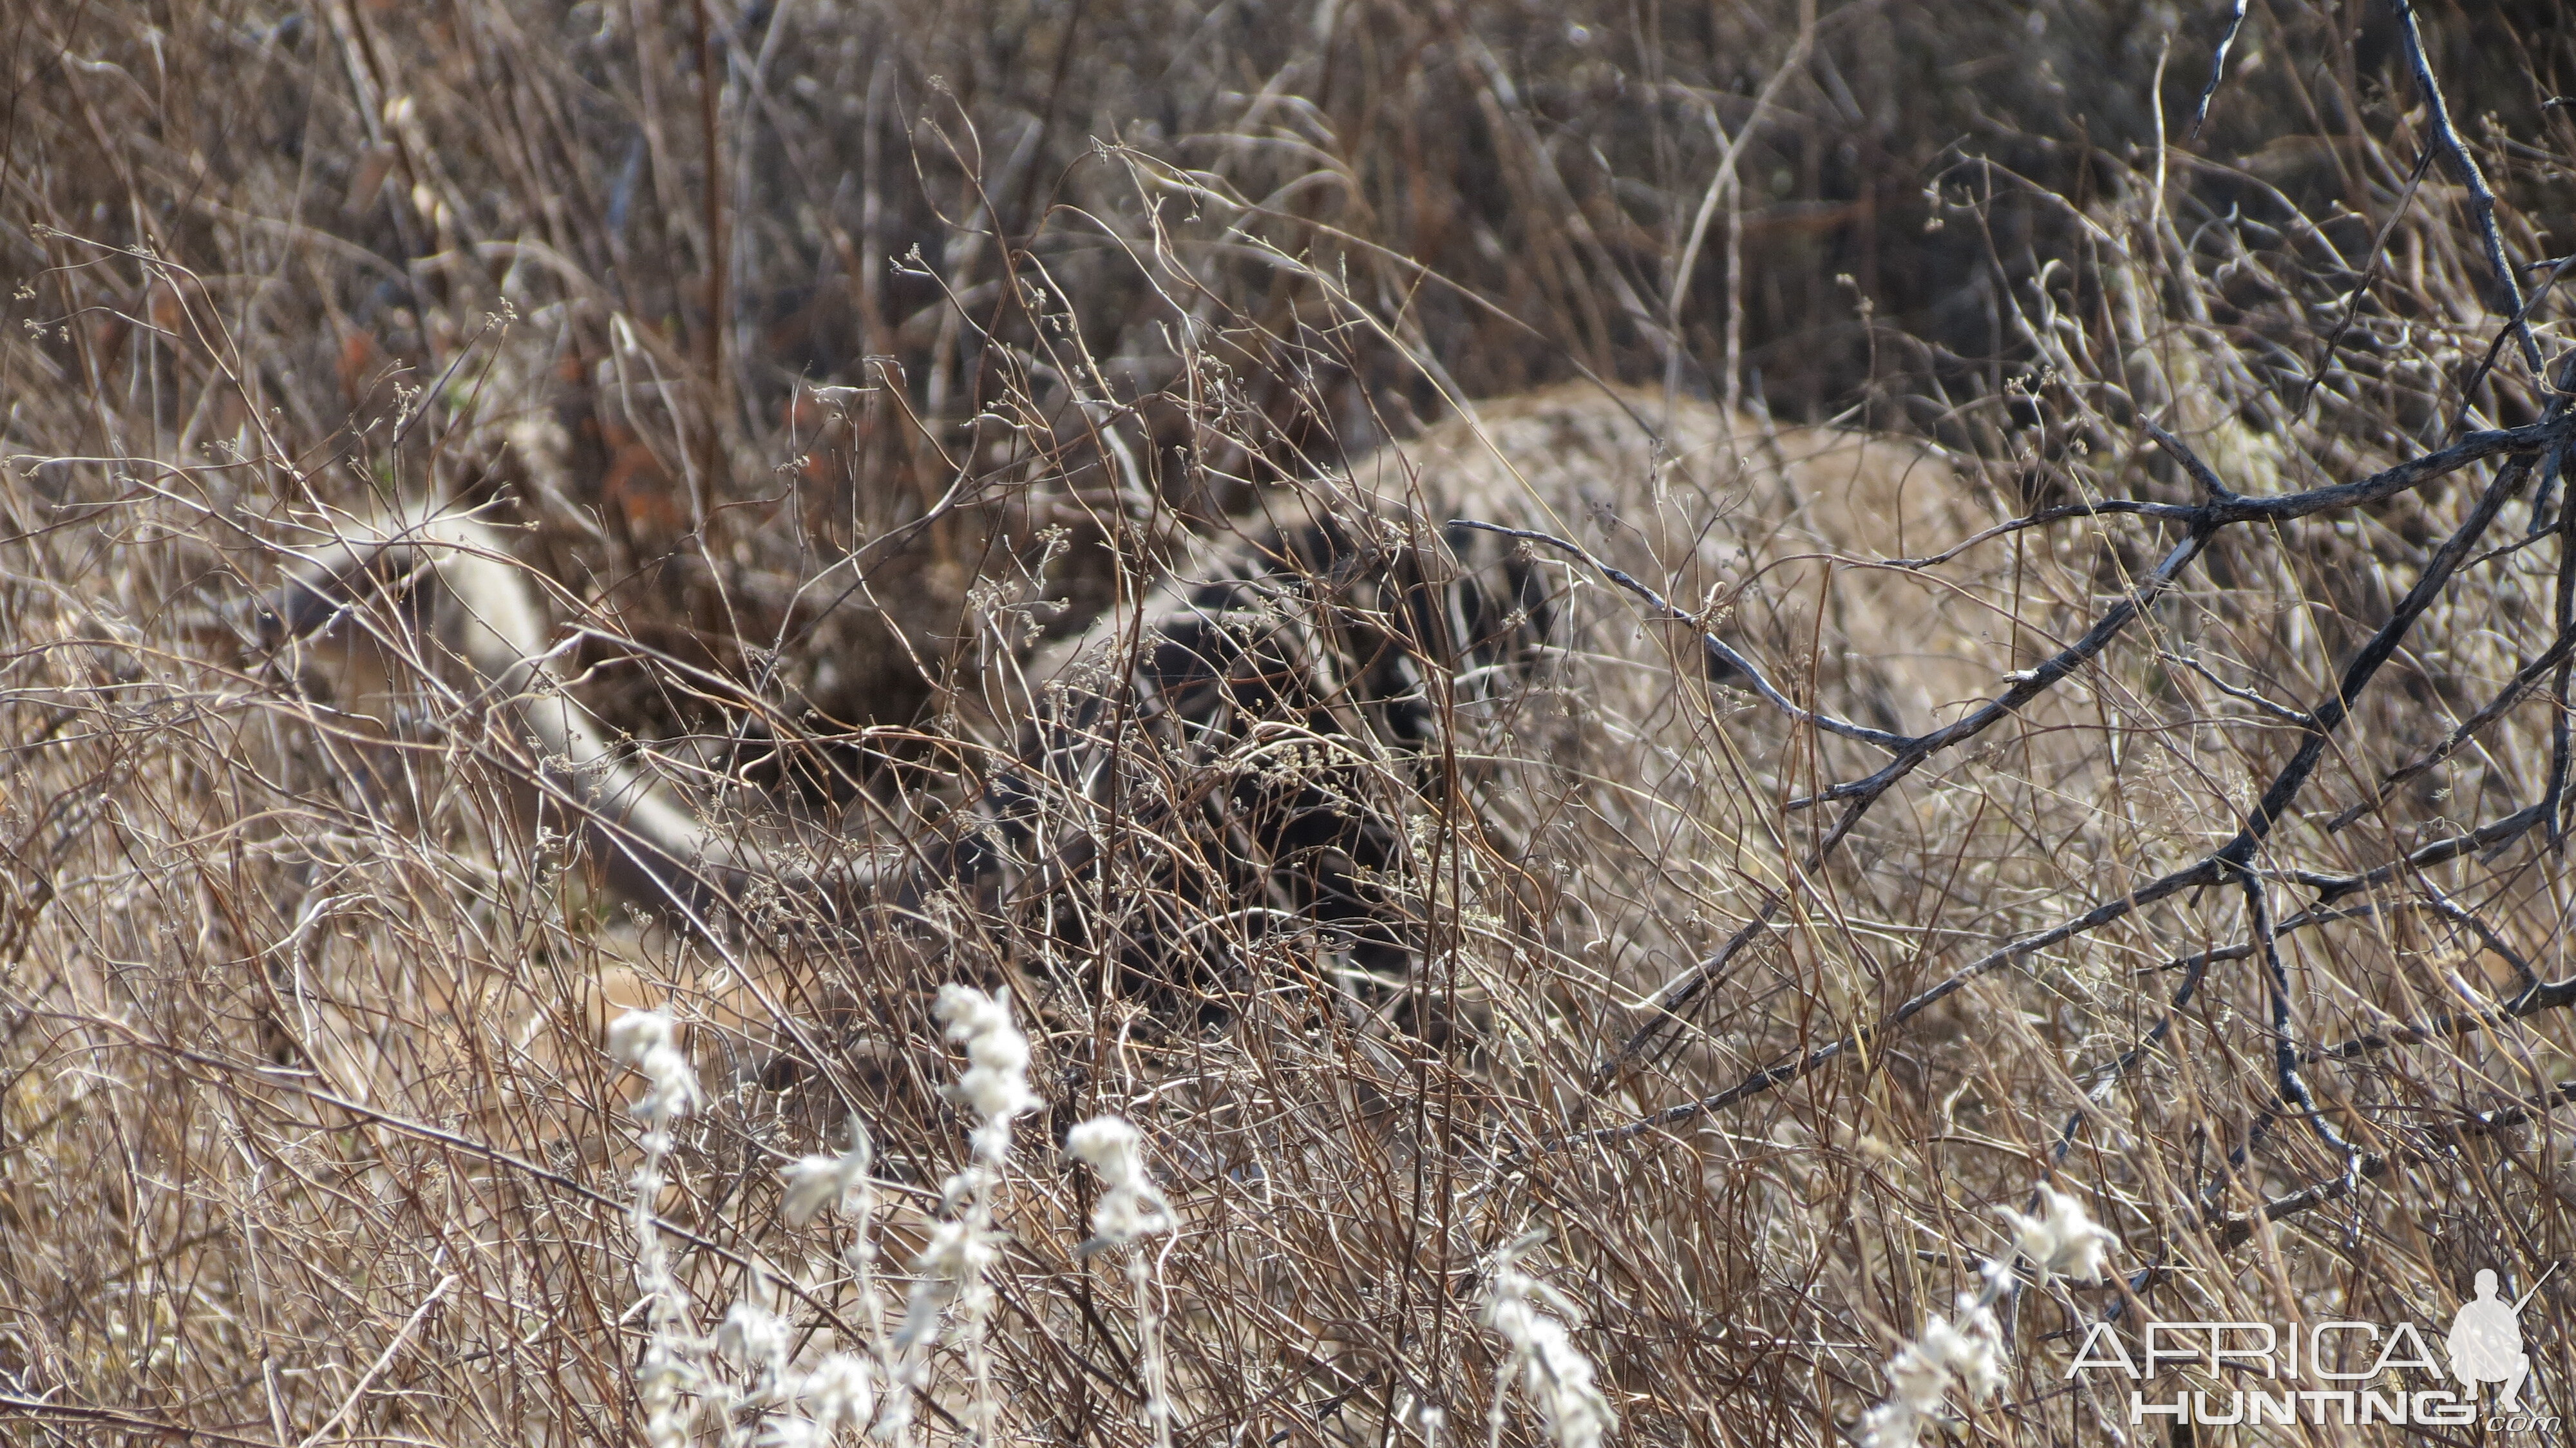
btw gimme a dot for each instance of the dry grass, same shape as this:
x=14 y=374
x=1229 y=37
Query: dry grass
x=306 y=1134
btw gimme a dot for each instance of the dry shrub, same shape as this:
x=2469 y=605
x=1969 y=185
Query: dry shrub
x=307 y=1126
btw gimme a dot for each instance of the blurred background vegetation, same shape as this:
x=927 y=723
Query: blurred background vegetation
x=700 y=211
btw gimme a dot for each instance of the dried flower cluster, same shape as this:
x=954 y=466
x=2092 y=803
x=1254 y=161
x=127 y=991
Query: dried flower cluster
x=2062 y=1240
x=953 y=1264
x=996 y=1084
x=1967 y=1358
x=1554 y=1373
x=1133 y=1206
x=649 y=1042
x=826 y=1183
x=671 y=1376
x=681 y=1376
x=1131 y=1209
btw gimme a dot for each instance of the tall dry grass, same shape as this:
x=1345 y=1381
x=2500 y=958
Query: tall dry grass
x=307 y=1128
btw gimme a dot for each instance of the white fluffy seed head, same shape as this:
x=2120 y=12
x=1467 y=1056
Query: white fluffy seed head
x=1966 y=1358
x=649 y=1042
x=818 y=1182
x=813 y=1183
x=952 y=1265
x=996 y=1085
x=1109 y=1144
x=839 y=1390
x=1133 y=1206
x=671 y=1087
x=636 y=1033
x=1891 y=1425
x=1555 y=1374
x=752 y=1335
x=2061 y=1239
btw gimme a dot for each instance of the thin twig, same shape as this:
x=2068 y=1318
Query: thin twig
x=384 y=1359
x=1720 y=653
x=2507 y=298
x=2217 y=66
x=2292 y=1082
x=2524 y=680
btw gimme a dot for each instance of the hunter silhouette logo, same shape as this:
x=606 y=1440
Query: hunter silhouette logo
x=2486 y=1343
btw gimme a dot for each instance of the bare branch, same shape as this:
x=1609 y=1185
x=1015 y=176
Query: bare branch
x=2464 y=168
